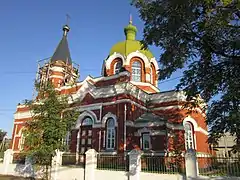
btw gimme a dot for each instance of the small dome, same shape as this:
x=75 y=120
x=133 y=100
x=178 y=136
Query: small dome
x=130 y=44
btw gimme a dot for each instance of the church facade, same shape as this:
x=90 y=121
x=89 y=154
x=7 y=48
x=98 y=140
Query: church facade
x=124 y=108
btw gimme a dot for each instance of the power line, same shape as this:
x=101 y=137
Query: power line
x=161 y=82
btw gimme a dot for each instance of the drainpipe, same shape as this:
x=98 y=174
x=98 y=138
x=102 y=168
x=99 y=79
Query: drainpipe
x=125 y=130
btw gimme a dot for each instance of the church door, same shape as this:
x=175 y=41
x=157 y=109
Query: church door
x=86 y=135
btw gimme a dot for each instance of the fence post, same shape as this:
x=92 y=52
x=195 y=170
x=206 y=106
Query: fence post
x=191 y=164
x=57 y=161
x=28 y=167
x=90 y=164
x=7 y=159
x=134 y=164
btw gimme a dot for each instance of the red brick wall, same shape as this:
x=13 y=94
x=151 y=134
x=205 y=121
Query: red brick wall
x=73 y=140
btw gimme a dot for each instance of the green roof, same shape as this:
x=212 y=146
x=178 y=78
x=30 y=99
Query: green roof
x=130 y=44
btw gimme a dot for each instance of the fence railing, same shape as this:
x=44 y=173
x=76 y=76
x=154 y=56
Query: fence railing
x=117 y=162
x=162 y=164
x=73 y=159
x=219 y=166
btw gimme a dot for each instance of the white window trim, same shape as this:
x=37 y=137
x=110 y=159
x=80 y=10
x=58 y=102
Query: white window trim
x=142 y=144
x=186 y=135
x=21 y=142
x=111 y=138
x=107 y=116
x=151 y=76
x=83 y=115
x=115 y=65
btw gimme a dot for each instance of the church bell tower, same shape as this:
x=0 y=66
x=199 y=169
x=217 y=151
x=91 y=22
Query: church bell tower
x=59 y=69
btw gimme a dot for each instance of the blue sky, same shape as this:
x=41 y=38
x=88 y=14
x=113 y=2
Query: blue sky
x=30 y=31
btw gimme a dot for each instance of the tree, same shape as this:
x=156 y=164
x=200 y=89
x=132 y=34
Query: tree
x=201 y=36
x=2 y=135
x=2 y=142
x=52 y=118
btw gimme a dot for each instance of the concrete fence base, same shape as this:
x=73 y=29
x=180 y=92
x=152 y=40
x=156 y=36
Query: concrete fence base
x=90 y=172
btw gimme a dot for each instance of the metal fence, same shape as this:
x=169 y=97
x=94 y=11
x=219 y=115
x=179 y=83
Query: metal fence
x=117 y=162
x=219 y=166
x=163 y=165
x=73 y=159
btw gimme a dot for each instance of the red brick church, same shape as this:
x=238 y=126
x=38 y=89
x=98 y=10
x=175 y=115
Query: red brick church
x=124 y=108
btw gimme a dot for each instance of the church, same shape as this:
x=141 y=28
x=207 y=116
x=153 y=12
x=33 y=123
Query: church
x=123 y=109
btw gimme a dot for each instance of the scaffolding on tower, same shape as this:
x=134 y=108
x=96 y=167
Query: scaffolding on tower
x=44 y=72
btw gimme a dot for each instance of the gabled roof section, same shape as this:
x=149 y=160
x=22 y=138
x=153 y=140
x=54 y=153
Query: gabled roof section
x=149 y=117
x=62 y=51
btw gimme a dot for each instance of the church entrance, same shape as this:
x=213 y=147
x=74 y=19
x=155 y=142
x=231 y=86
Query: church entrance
x=86 y=135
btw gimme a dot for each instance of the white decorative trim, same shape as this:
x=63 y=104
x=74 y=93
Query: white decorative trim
x=148 y=78
x=125 y=88
x=174 y=127
x=168 y=107
x=21 y=106
x=149 y=124
x=154 y=61
x=108 y=152
x=56 y=76
x=108 y=91
x=97 y=126
x=145 y=84
x=151 y=132
x=167 y=96
x=98 y=106
x=192 y=121
x=115 y=76
x=19 y=122
x=109 y=115
x=130 y=123
x=14 y=137
x=91 y=114
x=141 y=56
x=195 y=125
x=22 y=115
x=203 y=131
x=112 y=57
x=195 y=141
x=19 y=132
x=155 y=154
x=57 y=69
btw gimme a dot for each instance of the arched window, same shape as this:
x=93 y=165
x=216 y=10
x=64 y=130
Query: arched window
x=117 y=67
x=21 y=142
x=110 y=133
x=87 y=121
x=136 y=71
x=189 y=138
x=153 y=74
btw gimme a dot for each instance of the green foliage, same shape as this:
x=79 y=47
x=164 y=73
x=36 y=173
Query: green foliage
x=3 y=144
x=2 y=134
x=52 y=118
x=201 y=36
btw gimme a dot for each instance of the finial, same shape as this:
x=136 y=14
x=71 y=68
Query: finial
x=130 y=19
x=66 y=28
x=67 y=19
